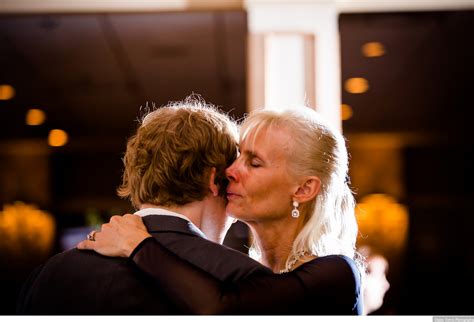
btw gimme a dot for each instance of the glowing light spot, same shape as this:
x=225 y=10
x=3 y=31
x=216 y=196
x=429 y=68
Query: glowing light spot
x=346 y=112
x=57 y=137
x=373 y=49
x=356 y=85
x=384 y=220
x=25 y=230
x=6 y=92
x=35 y=117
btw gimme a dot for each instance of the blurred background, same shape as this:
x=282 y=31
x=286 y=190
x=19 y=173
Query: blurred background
x=395 y=77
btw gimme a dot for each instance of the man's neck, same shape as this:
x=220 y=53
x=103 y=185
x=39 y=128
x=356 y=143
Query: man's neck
x=195 y=212
x=192 y=211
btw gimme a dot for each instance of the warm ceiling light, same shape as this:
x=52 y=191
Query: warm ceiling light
x=356 y=85
x=6 y=92
x=346 y=112
x=384 y=220
x=57 y=137
x=35 y=117
x=373 y=49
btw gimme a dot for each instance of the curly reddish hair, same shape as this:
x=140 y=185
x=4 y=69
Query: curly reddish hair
x=168 y=160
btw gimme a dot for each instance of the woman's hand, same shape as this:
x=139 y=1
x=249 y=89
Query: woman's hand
x=118 y=238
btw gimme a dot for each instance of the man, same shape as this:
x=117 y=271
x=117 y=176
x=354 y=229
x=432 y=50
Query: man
x=174 y=173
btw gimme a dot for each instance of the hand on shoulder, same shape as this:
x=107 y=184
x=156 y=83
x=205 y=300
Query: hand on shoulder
x=117 y=238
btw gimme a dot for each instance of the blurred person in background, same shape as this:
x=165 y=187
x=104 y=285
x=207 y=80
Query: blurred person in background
x=375 y=284
x=289 y=185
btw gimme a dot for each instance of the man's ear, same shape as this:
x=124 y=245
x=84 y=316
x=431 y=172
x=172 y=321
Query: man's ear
x=308 y=189
x=213 y=187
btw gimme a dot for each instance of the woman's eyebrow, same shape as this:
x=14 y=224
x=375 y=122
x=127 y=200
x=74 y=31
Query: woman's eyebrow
x=252 y=154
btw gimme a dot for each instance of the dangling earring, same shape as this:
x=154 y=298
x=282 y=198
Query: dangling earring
x=295 y=213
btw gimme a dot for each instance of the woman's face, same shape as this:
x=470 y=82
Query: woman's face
x=260 y=187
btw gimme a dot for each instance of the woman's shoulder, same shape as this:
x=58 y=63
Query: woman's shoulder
x=335 y=261
x=332 y=260
x=335 y=279
x=334 y=268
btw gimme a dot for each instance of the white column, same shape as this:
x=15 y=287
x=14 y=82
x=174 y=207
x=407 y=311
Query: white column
x=284 y=70
x=301 y=60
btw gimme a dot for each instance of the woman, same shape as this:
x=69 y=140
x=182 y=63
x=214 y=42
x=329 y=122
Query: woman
x=289 y=186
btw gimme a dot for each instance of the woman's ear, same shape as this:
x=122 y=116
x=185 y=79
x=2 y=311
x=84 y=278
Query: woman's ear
x=213 y=187
x=308 y=189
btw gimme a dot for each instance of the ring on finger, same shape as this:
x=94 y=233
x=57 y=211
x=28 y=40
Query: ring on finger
x=91 y=235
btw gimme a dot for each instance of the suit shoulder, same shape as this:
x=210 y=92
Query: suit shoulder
x=81 y=257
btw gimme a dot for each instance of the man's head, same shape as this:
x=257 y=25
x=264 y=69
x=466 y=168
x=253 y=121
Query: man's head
x=169 y=160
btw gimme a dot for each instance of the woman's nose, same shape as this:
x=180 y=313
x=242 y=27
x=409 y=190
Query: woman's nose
x=231 y=172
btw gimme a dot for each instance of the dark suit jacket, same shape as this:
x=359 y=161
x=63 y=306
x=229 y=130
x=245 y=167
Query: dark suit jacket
x=84 y=282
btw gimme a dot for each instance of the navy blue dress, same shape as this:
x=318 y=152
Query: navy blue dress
x=329 y=285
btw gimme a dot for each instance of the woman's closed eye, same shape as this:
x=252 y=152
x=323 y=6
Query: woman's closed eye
x=254 y=163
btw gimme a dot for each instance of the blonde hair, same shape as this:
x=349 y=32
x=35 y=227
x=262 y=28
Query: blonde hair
x=318 y=150
x=167 y=161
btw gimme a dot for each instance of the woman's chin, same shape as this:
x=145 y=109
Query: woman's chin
x=233 y=212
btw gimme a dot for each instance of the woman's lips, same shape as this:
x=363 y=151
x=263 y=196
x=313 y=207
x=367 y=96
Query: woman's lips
x=232 y=195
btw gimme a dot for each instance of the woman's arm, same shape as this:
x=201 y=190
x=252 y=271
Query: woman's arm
x=190 y=287
x=327 y=285
x=311 y=289
x=197 y=291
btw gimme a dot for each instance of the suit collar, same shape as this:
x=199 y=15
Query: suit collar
x=164 y=223
x=159 y=211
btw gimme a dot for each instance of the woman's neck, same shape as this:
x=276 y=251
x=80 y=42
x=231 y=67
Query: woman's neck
x=275 y=240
